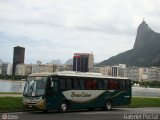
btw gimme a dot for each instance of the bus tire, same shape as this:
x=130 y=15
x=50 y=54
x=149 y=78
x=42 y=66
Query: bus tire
x=63 y=107
x=108 y=105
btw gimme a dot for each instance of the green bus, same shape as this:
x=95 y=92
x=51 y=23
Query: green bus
x=75 y=90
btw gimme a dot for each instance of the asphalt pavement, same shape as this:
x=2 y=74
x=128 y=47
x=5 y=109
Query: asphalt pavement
x=114 y=114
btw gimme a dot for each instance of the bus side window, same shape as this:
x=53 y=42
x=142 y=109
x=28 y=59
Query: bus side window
x=116 y=84
x=91 y=84
x=113 y=84
x=82 y=84
x=75 y=84
x=55 y=86
x=105 y=84
x=62 y=84
x=69 y=83
x=100 y=84
x=122 y=84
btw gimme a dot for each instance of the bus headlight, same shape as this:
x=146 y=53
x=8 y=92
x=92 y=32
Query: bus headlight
x=41 y=105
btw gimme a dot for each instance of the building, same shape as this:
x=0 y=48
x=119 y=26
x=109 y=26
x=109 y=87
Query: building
x=95 y=70
x=105 y=70
x=83 y=62
x=118 y=70
x=152 y=74
x=18 y=57
x=143 y=74
x=64 y=68
x=4 y=69
x=43 y=68
x=23 y=69
x=133 y=73
x=158 y=72
x=9 y=69
x=50 y=68
x=149 y=74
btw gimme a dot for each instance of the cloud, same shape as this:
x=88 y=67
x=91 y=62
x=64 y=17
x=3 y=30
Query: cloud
x=56 y=29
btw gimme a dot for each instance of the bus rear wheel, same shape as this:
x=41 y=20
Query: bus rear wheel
x=108 y=105
x=63 y=107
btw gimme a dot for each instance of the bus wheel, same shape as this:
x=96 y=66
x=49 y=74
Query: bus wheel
x=63 y=107
x=108 y=105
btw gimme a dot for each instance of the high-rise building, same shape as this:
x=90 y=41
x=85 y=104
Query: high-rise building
x=18 y=57
x=83 y=62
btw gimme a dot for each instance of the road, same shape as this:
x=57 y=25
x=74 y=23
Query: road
x=115 y=114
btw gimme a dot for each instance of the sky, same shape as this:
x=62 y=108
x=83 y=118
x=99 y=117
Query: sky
x=56 y=29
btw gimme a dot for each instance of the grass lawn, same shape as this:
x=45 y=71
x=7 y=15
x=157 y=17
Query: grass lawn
x=11 y=104
x=145 y=102
x=10 y=93
x=15 y=103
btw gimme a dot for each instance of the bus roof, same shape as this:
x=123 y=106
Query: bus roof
x=75 y=74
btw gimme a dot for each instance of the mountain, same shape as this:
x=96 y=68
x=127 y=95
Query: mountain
x=1 y=61
x=57 y=62
x=69 y=62
x=146 y=50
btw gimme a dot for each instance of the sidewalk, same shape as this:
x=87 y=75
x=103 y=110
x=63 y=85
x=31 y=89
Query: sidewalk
x=11 y=95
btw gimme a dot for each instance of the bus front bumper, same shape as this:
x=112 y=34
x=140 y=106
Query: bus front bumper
x=40 y=105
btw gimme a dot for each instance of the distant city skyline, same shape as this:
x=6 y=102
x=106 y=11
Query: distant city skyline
x=51 y=30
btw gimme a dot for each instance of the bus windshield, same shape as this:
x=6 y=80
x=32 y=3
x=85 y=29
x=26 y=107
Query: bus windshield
x=35 y=86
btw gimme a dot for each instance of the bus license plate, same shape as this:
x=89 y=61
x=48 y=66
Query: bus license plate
x=30 y=106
